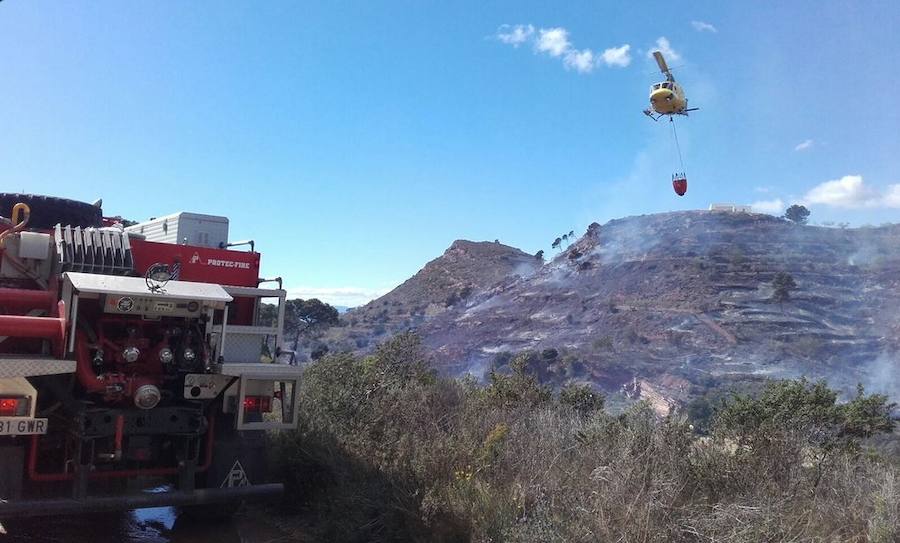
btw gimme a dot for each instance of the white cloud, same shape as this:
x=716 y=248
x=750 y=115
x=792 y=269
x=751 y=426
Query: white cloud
x=851 y=192
x=892 y=196
x=582 y=61
x=345 y=296
x=775 y=207
x=664 y=47
x=553 y=41
x=700 y=26
x=804 y=145
x=617 y=56
x=515 y=35
x=848 y=191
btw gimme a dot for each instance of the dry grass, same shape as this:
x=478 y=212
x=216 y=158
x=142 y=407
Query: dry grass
x=389 y=452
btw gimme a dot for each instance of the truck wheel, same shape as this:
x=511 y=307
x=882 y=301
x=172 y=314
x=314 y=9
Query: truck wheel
x=48 y=211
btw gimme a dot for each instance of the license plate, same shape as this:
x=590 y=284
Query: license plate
x=21 y=426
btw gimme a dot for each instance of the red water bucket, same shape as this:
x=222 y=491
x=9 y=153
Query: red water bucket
x=680 y=185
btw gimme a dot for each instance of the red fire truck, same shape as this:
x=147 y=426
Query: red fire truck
x=128 y=363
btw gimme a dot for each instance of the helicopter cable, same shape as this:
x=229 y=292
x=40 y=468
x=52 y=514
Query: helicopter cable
x=677 y=146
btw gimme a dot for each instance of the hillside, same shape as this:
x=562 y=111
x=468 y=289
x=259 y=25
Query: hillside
x=445 y=283
x=665 y=306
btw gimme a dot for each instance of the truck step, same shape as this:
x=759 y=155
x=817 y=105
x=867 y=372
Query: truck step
x=33 y=365
x=103 y=504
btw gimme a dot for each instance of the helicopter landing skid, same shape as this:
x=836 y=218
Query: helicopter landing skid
x=657 y=117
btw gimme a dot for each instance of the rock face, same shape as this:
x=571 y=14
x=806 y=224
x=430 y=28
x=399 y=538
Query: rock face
x=681 y=297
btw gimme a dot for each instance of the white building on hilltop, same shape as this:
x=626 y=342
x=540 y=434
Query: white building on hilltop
x=730 y=208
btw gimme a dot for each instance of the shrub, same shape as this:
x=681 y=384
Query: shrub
x=520 y=388
x=807 y=410
x=549 y=354
x=388 y=451
x=581 y=398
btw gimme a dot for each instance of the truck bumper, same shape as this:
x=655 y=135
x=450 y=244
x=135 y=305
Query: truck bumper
x=57 y=506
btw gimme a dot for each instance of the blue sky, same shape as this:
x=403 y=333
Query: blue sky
x=354 y=141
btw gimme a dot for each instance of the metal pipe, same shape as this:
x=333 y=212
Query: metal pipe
x=262 y=280
x=249 y=242
x=25 y=210
x=221 y=347
x=22 y=299
x=25 y=326
x=61 y=340
x=120 y=429
x=83 y=368
x=35 y=326
x=74 y=314
x=19 y=224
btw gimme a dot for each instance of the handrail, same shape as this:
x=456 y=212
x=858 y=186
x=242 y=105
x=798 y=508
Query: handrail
x=262 y=280
x=249 y=242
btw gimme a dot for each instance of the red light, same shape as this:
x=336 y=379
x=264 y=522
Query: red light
x=13 y=407
x=257 y=404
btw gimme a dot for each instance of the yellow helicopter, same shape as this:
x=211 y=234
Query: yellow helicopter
x=667 y=97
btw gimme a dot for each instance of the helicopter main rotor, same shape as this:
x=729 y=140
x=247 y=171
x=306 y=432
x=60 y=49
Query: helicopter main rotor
x=663 y=67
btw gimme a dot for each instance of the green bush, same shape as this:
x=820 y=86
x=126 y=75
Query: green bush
x=519 y=388
x=809 y=411
x=582 y=398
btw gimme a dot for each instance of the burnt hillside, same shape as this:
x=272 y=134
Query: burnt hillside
x=660 y=305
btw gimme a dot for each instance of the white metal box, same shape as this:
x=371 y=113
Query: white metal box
x=185 y=229
x=34 y=245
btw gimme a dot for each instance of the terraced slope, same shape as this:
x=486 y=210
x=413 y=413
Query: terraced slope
x=688 y=295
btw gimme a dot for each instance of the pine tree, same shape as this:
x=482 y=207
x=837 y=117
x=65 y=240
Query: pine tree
x=783 y=284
